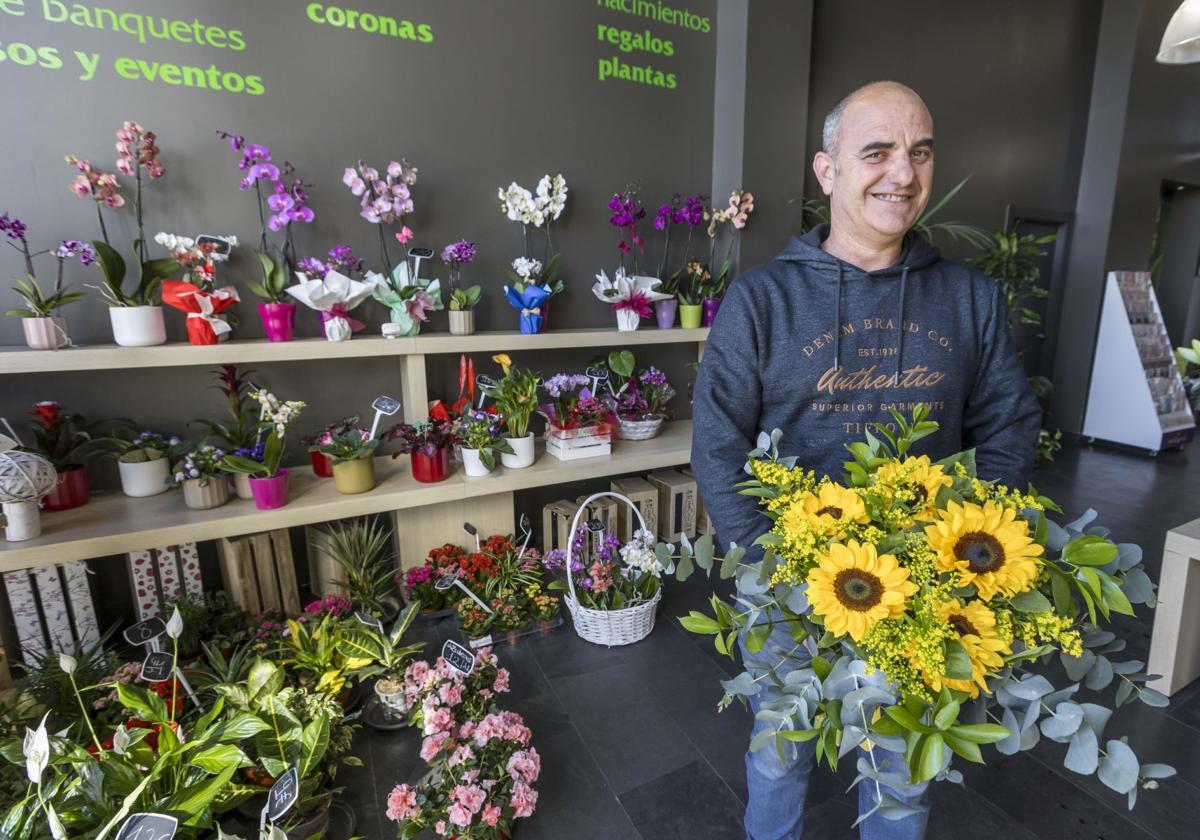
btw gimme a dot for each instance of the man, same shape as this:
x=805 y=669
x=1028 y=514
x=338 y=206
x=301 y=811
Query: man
x=854 y=318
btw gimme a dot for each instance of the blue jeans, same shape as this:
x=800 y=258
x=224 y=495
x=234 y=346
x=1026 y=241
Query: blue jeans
x=775 y=810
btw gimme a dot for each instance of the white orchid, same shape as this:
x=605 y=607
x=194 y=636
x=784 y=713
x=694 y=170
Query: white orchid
x=552 y=196
x=639 y=554
x=526 y=268
x=37 y=751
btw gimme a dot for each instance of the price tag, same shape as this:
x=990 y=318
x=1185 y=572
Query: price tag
x=484 y=381
x=481 y=642
x=148 y=827
x=423 y=253
x=458 y=657
x=145 y=631
x=158 y=666
x=595 y=526
x=386 y=405
x=445 y=582
x=370 y=620
x=223 y=245
x=597 y=372
x=474 y=532
x=282 y=796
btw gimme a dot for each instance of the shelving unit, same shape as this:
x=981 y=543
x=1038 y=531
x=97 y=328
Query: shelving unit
x=425 y=514
x=1137 y=396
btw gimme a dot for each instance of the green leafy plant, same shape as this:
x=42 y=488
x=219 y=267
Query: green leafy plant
x=65 y=439
x=462 y=300
x=274 y=278
x=361 y=548
x=1011 y=260
x=38 y=304
x=349 y=445
x=130 y=446
x=1187 y=358
x=515 y=396
x=151 y=273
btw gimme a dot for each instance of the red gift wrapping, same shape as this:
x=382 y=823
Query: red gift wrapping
x=202 y=308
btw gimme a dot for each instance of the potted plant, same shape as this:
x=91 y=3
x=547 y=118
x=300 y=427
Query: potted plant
x=712 y=289
x=640 y=400
x=143 y=460
x=287 y=204
x=669 y=215
x=630 y=297
x=352 y=454
x=479 y=434
x=137 y=318
x=65 y=440
x=515 y=398
x=333 y=295
x=544 y=609
x=44 y=327
x=427 y=445
x=322 y=466
x=202 y=475
x=462 y=300
x=360 y=547
x=241 y=433
x=268 y=480
x=538 y=278
x=196 y=294
x=578 y=424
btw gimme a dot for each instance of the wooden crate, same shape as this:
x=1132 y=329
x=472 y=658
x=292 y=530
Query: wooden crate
x=607 y=510
x=676 y=504
x=573 y=444
x=52 y=609
x=703 y=521
x=159 y=576
x=259 y=572
x=644 y=496
x=556 y=524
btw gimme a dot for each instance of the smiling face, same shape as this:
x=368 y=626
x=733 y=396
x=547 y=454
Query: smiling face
x=880 y=171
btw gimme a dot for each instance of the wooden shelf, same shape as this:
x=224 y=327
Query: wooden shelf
x=112 y=523
x=113 y=357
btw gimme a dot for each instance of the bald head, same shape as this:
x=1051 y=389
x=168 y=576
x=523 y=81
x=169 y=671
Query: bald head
x=875 y=92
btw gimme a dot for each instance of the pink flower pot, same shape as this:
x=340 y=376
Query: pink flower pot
x=278 y=319
x=664 y=313
x=708 y=311
x=270 y=493
x=71 y=491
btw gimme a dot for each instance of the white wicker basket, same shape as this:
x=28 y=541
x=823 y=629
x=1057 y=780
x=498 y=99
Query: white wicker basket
x=639 y=429
x=609 y=627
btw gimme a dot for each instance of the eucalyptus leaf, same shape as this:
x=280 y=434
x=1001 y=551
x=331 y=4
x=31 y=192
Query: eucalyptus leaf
x=1067 y=719
x=1083 y=754
x=1100 y=675
x=1119 y=768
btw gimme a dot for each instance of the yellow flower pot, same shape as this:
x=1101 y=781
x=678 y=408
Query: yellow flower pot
x=689 y=316
x=357 y=476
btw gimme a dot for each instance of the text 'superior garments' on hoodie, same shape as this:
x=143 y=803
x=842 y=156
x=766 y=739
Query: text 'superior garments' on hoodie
x=818 y=348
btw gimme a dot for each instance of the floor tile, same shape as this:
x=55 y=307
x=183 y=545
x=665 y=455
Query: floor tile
x=688 y=803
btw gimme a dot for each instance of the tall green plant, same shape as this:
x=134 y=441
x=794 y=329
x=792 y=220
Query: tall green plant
x=1010 y=259
x=360 y=547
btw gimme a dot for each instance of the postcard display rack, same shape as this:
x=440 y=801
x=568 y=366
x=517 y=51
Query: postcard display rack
x=1137 y=396
x=425 y=515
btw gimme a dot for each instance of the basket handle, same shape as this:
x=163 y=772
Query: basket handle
x=575 y=524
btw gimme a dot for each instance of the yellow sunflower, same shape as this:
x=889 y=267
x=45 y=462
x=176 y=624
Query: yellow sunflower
x=987 y=545
x=830 y=508
x=918 y=476
x=976 y=628
x=853 y=587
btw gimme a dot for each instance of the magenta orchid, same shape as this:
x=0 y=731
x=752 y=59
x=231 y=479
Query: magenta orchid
x=627 y=211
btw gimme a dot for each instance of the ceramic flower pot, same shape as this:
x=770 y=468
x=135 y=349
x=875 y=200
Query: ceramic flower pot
x=146 y=478
x=270 y=493
x=522 y=455
x=138 y=326
x=241 y=485
x=22 y=521
x=45 y=333
x=431 y=468
x=664 y=313
x=278 y=320
x=321 y=464
x=689 y=316
x=709 y=307
x=628 y=320
x=71 y=491
x=462 y=321
x=473 y=463
x=357 y=476
x=205 y=493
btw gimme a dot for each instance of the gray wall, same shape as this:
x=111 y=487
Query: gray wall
x=506 y=91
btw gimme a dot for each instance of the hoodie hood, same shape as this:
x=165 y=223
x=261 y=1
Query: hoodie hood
x=916 y=253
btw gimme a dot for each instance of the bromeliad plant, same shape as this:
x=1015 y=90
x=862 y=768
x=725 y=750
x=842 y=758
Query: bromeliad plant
x=919 y=603
x=240 y=431
x=274 y=418
x=65 y=439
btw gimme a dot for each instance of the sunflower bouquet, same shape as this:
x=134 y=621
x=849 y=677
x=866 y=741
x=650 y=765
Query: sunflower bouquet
x=922 y=606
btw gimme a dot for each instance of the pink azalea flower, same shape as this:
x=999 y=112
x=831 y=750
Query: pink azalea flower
x=491 y=814
x=501 y=683
x=440 y=827
x=471 y=796
x=524 y=800
x=402 y=803
x=432 y=745
x=459 y=814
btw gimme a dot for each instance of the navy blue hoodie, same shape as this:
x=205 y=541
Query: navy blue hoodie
x=818 y=348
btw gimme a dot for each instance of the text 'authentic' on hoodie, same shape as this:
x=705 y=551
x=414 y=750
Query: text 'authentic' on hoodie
x=818 y=348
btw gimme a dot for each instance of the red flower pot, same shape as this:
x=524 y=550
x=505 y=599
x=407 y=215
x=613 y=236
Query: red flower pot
x=322 y=466
x=431 y=468
x=71 y=491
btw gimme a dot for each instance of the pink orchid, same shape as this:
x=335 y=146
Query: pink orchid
x=404 y=235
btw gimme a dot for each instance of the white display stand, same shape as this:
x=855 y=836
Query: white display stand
x=1175 y=644
x=1136 y=396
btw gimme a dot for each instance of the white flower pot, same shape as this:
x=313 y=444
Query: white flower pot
x=473 y=464
x=462 y=321
x=138 y=326
x=147 y=478
x=23 y=521
x=523 y=452
x=628 y=320
x=45 y=333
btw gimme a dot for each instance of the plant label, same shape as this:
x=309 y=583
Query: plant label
x=282 y=796
x=145 y=632
x=221 y=248
x=148 y=827
x=597 y=372
x=386 y=405
x=158 y=666
x=445 y=582
x=474 y=532
x=370 y=620
x=458 y=657
x=484 y=381
x=423 y=253
x=481 y=642
x=595 y=526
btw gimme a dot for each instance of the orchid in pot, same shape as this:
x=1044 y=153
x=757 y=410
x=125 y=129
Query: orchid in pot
x=136 y=316
x=515 y=397
x=532 y=282
x=268 y=480
x=202 y=474
x=352 y=452
x=579 y=425
x=322 y=466
x=427 y=445
x=677 y=212
x=287 y=202
x=240 y=433
x=479 y=434
x=197 y=294
x=462 y=300
x=712 y=281
x=631 y=297
x=44 y=326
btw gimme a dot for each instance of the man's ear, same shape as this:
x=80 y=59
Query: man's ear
x=824 y=167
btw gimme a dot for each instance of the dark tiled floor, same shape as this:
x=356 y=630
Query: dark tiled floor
x=633 y=747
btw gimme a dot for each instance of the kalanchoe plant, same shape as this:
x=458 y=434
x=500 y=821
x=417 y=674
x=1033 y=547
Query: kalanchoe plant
x=515 y=396
x=349 y=445
x=274 y=418
x=37 y=303
x=426 y=438
x=481 y=430
x=65 y=439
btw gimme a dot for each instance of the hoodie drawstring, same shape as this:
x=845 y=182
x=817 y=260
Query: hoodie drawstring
x=900 y=323
x=837 y=319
